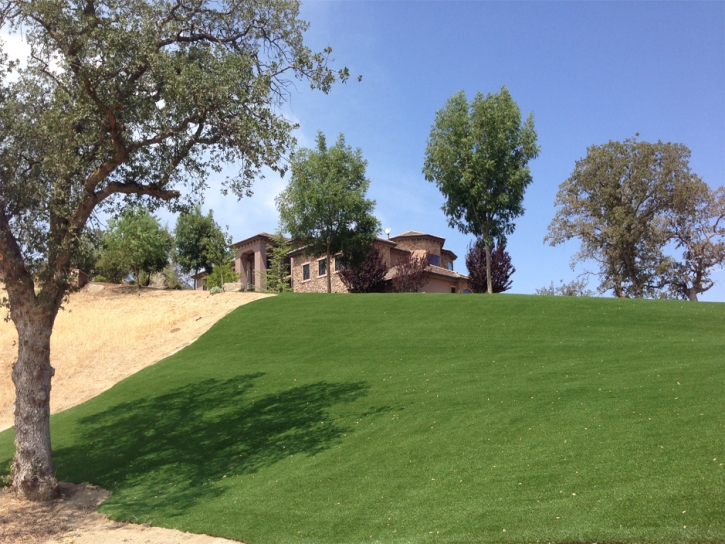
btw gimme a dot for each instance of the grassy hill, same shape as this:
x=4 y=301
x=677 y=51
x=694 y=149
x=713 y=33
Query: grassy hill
x=421 y=418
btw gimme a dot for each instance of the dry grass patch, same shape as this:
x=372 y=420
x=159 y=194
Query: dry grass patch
x=104 y=336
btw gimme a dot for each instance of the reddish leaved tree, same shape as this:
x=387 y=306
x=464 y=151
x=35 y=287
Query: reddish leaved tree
x=411 y=274
x=368 y=276
x=501 y=269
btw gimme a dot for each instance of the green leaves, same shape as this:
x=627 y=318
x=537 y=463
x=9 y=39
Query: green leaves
x=135 y=242
x=324 y=206
x=625 y=201
x=477 y=155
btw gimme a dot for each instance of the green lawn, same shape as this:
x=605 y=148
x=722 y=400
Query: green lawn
x=421 y=418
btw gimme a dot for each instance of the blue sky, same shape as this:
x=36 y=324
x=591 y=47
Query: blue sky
x=589 y=71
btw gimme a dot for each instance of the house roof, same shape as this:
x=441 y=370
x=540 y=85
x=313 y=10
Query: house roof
x=301 y=250
x=199 y=275
x=264 y=235
x=452 y=255
x=434 y=271
x=417 y=234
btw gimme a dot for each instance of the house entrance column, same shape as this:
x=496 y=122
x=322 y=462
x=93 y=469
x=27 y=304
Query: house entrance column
x=260 y=265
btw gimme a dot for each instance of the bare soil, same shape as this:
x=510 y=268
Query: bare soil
x=73 y=519
x=104 y=334
x=107 y=332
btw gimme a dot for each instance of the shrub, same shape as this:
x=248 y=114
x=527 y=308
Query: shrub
x=411 y=274
x=226 y=271
x=215 y=290
x=368 y=276
x=575 y=288
x=501 y=269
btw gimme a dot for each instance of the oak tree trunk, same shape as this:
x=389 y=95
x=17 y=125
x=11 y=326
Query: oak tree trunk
x=489 y=282
x=33 y=473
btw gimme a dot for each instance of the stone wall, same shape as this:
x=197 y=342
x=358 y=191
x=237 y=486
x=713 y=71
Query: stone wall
x=419 y=245
x=316 y=283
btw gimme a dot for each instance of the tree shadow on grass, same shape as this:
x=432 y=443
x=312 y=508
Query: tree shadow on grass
x=161 y=455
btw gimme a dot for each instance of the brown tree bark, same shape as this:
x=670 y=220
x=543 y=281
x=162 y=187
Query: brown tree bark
x=489 y=282
x=33 y=473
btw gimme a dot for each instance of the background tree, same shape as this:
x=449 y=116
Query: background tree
x=276 y=279
x=367 y=276
x=698 y=228
x=191 y=232
x=129 y=99
x=619 y=201
x=324 y=206
x=135 y=243
x=220 y=274
x=218 y=251
x=411 y=274
x=501 y=269
x=201 y=243
x=477 y=155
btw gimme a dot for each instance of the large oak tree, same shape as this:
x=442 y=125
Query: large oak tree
x=625 y=202
x=478 y=156
x=118 y=101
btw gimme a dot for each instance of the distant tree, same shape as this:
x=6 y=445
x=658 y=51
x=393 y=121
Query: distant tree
x=276 y=279
x=575 y=288
x=366 y=277
x=324 y=206
x=477 y=155
x=220 y=274
x=218 y=251
x=621 y=201
x=201 y=243
x=698 y=228
x=90 y=244
x=135 y=243
x=501 y=268
x=192 y=230
x=411 y=274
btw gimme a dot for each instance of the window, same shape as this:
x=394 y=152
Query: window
x=321 y=267
x=338 y=263
x=305 y=272
x=435 y=260
x=450 y=265
x=203 y=284
x=453 y=289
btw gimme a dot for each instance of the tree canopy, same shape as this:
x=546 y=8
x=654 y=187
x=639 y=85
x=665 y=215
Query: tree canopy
x=192 y=233
x=625 y=201
x=478 y=155
x=324 y=206
x=136 y=243
x=119 y=101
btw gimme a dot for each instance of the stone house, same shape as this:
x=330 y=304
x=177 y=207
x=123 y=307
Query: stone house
x=309 y=274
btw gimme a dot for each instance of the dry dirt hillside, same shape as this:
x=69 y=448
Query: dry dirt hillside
x=108 y=332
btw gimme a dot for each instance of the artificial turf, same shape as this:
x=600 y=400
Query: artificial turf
x=421 y=418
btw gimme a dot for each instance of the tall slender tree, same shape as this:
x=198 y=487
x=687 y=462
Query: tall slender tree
x=122 y=101
x=324 y=206
x=478 y=156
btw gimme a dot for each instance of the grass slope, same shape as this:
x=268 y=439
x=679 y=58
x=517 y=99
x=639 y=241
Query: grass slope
x=421 y=418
